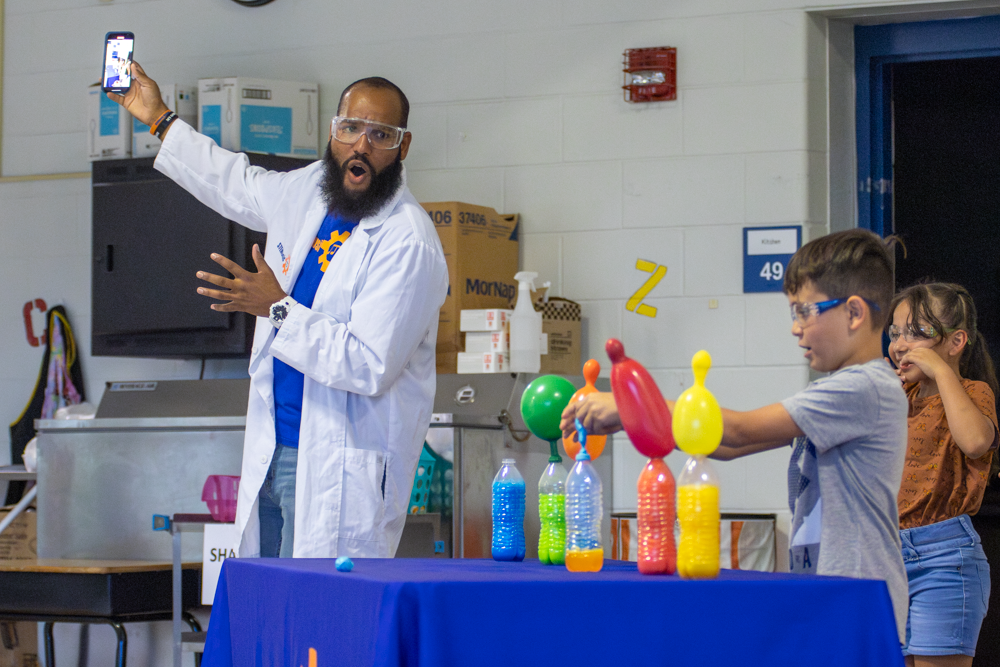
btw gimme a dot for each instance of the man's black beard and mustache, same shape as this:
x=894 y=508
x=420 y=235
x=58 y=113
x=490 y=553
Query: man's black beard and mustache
x=357 y=206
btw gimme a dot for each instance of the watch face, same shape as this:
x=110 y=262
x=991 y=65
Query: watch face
x=279 y=312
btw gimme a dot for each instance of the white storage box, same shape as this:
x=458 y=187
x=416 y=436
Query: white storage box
x=488 y=319
x=260 y=115
x=109 y=127
x=487 y=362
x=487 y=341
x=182 y=100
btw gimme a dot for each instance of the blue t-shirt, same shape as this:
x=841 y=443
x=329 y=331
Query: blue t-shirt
x=288 y=382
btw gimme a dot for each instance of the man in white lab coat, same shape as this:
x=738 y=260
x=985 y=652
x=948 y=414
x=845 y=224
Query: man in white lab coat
x=347 y=294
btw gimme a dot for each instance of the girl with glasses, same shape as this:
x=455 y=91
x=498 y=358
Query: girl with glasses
x=951 y=385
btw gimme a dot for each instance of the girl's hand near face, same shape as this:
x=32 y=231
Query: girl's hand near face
x=927 y=360
x=895 y=369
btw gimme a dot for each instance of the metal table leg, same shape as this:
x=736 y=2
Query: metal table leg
x=122 y=642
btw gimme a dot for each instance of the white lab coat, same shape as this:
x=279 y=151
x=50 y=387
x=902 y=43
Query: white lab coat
x=366 y=348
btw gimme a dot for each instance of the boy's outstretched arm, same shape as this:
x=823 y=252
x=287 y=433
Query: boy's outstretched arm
x=759 y=430
x=743 y=433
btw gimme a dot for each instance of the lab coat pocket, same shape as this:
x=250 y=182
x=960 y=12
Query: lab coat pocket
x=364 y=506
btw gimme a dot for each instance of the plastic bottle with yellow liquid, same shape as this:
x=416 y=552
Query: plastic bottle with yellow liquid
x=697 y=428
x=584 y=552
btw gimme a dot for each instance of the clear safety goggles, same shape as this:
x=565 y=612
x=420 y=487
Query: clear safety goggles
x=380 y=135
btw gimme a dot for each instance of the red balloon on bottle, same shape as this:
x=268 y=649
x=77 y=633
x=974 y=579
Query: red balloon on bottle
x=644 y=414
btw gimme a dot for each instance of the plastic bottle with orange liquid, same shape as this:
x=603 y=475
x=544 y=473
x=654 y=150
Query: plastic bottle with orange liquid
x=584 y=506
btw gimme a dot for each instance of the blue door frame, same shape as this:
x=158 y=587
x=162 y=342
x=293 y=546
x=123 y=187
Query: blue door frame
x=875 y=48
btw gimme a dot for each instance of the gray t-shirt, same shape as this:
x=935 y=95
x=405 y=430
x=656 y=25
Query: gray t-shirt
x=844 y=477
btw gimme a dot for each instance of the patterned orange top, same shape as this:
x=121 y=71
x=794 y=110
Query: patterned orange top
x=939 y=481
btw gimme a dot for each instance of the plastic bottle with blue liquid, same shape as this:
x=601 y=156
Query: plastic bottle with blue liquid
x=508 y=513
x=584 y=506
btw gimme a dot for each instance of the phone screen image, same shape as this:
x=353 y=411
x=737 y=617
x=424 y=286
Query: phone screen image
x=117 y=61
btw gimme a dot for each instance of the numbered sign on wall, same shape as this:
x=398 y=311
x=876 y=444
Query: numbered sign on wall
x=766 y=251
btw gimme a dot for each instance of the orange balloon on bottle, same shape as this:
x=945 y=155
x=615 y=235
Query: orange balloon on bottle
x=595 y=443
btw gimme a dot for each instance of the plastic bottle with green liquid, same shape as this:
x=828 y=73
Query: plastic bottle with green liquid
x=552 y=513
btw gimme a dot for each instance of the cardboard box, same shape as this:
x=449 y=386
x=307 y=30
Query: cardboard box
x=261 y=115
x=19 y=541
x=19 y=644
x=182 y=100
x=561 y=321
x=109 y=127
x=480 y=246
x=19 y=641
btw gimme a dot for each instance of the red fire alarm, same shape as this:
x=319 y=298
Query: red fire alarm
x=651 y=74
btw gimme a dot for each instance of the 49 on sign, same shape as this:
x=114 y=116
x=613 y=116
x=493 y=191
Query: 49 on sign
x=772 y=271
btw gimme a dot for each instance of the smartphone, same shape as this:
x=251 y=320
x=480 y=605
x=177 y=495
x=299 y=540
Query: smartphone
x=116 y=76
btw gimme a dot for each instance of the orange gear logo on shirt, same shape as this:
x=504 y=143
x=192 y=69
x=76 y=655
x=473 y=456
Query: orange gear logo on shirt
x=327 y=249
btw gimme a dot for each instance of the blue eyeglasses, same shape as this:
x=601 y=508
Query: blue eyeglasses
x=802 y=312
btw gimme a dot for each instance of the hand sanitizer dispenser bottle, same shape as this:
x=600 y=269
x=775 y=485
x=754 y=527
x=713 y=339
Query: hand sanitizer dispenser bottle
x=525 y=328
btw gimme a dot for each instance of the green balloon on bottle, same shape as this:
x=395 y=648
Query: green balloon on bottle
x=542 y=404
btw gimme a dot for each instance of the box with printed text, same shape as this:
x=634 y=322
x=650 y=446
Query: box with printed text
x=109 y=127
x=562 y=323
x=182 y=100
x=481 y=249
x=260 y=115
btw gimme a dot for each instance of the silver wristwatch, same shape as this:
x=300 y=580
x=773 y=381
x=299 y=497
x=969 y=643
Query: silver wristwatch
x=279 y=311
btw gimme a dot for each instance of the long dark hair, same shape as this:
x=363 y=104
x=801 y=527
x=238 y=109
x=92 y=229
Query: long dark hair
x=948 y=307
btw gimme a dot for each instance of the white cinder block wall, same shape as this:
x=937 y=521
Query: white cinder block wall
x=516 y=104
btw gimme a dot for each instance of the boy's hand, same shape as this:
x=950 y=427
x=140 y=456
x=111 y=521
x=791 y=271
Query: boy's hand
x=928 y=361
x=143 y=99
x=597 y=412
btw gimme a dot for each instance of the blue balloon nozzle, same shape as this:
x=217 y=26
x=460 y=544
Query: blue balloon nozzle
x=581 y=434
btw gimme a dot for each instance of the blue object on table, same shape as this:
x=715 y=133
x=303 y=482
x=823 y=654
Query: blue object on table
x=344 y=564
x=467 y=611
x=508 y=513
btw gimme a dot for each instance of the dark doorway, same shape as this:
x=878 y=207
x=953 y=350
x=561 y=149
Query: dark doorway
x=946 y=207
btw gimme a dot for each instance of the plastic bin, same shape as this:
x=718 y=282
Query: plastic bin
x=220 y=493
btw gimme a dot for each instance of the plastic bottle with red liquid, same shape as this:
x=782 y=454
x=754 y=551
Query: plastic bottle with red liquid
x=656 y=518
x=646 y=419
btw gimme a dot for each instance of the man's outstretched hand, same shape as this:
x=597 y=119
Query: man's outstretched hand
x=143 y=99
x=246 y=291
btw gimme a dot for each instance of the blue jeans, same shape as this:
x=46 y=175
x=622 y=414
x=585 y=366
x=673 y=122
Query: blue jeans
x=949 y=587
x=276 y=504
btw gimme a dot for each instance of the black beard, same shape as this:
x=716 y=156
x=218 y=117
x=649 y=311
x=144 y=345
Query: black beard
x=357 y=206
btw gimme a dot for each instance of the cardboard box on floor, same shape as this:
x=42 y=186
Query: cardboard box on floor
x=480 y=247
x=18 y=641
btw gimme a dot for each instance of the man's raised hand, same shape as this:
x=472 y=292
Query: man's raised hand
x=143 y=99
x=246 y=291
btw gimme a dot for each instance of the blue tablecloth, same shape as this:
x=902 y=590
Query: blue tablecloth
x=273 y=612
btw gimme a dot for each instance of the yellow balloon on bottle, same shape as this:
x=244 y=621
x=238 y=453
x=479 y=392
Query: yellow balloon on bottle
x=697 y=418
